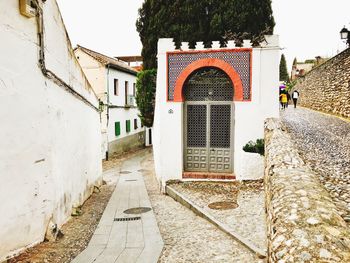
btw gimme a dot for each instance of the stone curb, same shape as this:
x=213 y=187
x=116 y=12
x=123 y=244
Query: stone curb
x=303 y=223
x=223 y=227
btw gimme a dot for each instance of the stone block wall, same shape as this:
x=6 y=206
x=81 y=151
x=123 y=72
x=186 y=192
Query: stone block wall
x=303 y=223
x=327 y=87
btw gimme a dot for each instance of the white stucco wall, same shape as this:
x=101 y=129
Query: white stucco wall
x=119 y=100
x=95 y=72
x=102 y=79
x=248 y=119
x=121 y=113
x=49 y=139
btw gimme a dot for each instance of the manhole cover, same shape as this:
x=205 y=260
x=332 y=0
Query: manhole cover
x=137 y=210
x=125 y=172
x=223 y=205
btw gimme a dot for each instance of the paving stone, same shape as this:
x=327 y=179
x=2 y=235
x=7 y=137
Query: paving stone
x=324 y=143
x=300 y=209
x=187 y=237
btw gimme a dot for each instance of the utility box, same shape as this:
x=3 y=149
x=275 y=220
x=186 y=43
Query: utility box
x=27 y=8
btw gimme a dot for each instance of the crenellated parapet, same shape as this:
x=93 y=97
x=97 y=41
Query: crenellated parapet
x=168 y=44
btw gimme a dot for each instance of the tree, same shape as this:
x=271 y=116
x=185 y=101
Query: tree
x=205 y=20
x=284 y=76
x=145 y=95
x=295 y=62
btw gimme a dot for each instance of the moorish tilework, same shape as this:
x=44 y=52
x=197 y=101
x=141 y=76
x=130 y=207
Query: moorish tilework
x=240 y=60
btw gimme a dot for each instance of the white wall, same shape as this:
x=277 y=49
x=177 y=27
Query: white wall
x=121 y=114
x=167 y=127
x=248 y=118
x=96 y=74
x=49 y=140
x=122 y=77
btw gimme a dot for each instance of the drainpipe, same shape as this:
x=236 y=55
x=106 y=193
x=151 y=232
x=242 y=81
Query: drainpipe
x=46 y=72
x=108 y=95
x=107 y=111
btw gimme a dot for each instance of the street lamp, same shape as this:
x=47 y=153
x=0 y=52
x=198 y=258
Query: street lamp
x=345 y=35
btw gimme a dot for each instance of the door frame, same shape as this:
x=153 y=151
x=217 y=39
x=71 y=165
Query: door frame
x=232 y=131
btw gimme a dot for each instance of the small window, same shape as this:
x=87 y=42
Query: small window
x=135 y=124
x=117 y=128
x=134 y=89
x=141 y=124
x=127 y=125
x=116 y=87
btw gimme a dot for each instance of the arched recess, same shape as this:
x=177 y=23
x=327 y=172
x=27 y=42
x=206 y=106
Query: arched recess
x=209 y=62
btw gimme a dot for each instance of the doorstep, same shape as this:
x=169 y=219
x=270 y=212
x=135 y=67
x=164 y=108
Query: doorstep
x=214 y=176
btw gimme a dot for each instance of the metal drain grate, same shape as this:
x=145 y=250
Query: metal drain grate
x=131 y=180
x=127 y=218
x=125 y=172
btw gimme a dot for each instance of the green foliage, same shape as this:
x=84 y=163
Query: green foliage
x=295 y=62
x=255 y=147
x=290 y=85
x=205 y=20
x=310 y=61
x=284 y=76
x=145 y=95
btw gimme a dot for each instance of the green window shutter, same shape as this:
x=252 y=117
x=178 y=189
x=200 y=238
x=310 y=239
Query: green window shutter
x=117 y=128
x=127 y=125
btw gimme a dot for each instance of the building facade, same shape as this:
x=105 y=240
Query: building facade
x=50 y=122
x=209 y=104
x=115 y=85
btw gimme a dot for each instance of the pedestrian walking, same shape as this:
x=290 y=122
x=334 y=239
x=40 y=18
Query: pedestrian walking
x=284 y=100
x=288 y=99
x=295 y=97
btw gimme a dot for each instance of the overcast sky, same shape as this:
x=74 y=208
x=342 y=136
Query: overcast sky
x=307 y=28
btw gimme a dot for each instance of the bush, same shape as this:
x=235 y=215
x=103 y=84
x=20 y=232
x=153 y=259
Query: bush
x=145 y=95
x=255 y=147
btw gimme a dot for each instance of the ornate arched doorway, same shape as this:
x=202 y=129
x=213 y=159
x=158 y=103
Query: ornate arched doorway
x=208 y=130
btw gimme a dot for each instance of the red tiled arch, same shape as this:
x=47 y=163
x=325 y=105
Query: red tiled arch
x=209 y=62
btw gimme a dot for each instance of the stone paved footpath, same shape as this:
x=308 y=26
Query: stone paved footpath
x=324 y=143
x=188 y=237
x=124 y=235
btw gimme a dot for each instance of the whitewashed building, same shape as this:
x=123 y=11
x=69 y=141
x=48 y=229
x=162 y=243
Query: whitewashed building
x=209 y=104
x=115 y=85
x=50 y=126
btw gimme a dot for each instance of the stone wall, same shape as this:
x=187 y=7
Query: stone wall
x=327 y=87
x=303 y=223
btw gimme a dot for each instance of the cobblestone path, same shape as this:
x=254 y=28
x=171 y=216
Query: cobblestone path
x=324 y=143
x=187 y=237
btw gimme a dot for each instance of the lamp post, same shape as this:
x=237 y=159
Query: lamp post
x=345 y=35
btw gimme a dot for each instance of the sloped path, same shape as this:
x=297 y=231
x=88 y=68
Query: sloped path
x=189 y=238
x=324 y=143
x=138 y=240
